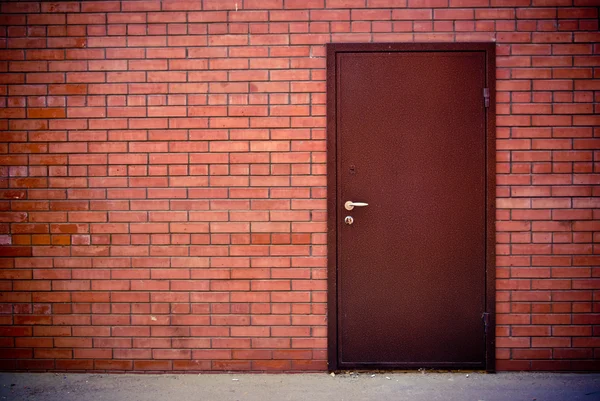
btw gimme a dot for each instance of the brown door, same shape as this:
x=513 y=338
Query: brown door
x=411 y=276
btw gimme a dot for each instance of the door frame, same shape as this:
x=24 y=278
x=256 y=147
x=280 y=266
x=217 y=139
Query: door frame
x=333 y=49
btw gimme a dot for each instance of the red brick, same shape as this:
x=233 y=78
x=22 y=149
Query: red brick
x=174 y=184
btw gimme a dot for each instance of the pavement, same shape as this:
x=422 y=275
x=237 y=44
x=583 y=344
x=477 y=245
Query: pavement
x=417 y=386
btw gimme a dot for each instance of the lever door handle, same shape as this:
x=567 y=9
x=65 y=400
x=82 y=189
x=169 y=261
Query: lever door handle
x=350 y=205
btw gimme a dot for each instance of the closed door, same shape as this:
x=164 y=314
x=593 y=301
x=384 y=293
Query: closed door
x=412 y=253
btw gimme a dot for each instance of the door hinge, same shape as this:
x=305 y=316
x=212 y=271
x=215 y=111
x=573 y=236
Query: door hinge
x=486 y=321
x=486 y=97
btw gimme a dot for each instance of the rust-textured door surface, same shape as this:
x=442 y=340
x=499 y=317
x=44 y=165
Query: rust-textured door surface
x=411 y=205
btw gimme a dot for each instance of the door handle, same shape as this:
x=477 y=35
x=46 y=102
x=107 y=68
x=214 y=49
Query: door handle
x=350 y=205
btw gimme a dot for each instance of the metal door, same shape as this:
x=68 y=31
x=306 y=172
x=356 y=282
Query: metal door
x=411 y=265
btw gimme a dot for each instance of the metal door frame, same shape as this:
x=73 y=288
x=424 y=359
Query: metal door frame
x=333 y=49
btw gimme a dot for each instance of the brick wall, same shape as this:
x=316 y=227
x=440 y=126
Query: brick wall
x=163 y=188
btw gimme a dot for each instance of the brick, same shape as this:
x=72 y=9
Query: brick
x=150 y=166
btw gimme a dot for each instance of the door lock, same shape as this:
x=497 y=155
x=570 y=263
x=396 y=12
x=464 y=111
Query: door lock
x=349 y=220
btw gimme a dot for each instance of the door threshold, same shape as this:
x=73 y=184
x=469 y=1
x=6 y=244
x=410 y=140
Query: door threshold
x=408 y=371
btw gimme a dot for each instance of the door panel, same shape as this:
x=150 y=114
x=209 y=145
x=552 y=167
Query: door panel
x=411 y=269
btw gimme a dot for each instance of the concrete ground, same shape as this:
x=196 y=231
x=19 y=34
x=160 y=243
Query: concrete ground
x=318 y=386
